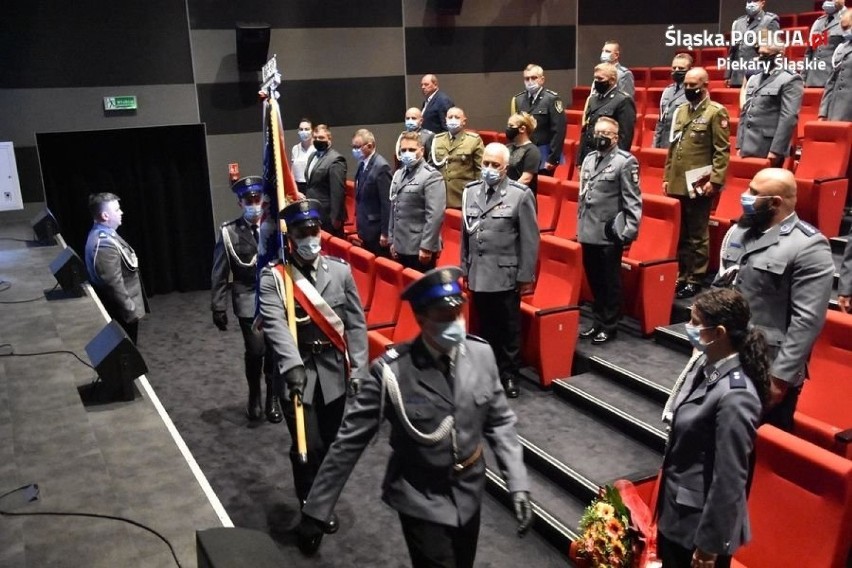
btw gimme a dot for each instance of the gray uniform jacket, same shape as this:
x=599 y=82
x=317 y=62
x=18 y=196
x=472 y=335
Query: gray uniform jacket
x=844 y=287
x=770 y=113
x=836 y=101
x=609 y=193
x=335 y=284
x=234 y=266
x=114 y=272
x=418 y=201
x=499 y=244
x=420 y=481
x=672 y=98
x=624 y=81
x=702 y=500
x=746 y=50
x=785 y=275
x=821 y=56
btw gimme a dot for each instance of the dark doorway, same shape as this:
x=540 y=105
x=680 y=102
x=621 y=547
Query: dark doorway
x=160 y=173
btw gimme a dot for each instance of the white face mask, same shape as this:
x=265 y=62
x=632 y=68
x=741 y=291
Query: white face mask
x=453 y=125
x=447 y=334
x=410 y=125
x=606 y=57
x=308 y=247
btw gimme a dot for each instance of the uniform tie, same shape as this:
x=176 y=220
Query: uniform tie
x=445 y=365
x=254 y=232
x=306 y=271
x=489 y=193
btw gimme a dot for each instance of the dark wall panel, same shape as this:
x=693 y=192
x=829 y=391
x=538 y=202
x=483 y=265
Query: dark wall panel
x=29 y=174
x=488 y=50
x=222 y=14
x=627 y=12
x=92 y=43
x=233 y=108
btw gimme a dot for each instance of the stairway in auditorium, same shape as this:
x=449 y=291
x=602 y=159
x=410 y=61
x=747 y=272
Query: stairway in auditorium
x=602 y=423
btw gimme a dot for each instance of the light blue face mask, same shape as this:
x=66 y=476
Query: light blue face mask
x=304 y=135
x=408 y=158
x=448 y=334
x=308 y=247
x=747 y=200
x=490 y=176
x=829 y=7
x=531 y=86
x=410 y=125
x=252 y=213
x=693 y=332
x=357 y=154
x=752 y=8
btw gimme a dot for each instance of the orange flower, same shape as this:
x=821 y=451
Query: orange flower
x=604 y=510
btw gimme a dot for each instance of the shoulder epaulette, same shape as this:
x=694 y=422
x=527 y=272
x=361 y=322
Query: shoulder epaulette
x=516 y=184
x=554 y=93
x=771 y=15
x=737 y=379
x=231 y=222
x=429 y=167
x=103 y=235
x=624 y=153
x=469 y=133
x=472 y=183
x=717 y=106
x=473 y=337
x=521 y=94
x=806 y=228
x=395 y=352
x=336 y=259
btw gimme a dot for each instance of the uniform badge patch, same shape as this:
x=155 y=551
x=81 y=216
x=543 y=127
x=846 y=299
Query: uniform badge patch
x=724 y=123
x=635 y=175
x=558 y=105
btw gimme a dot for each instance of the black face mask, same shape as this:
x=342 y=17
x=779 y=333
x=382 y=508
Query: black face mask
x=602 y=143
x=759 y=220
x=678 y=76
x=601 y=87
x=767 y=61
x=321 y=145
x=692 y=95
x=512 y=132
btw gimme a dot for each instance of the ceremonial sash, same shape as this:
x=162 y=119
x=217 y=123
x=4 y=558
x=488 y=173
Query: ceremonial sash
x=317 y=309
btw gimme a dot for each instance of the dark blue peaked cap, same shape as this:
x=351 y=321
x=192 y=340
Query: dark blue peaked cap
x=300 y=212
x=248 y=184
x=438 y=286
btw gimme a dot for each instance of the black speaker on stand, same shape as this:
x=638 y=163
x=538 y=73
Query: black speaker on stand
x=69 y=271
x=252 y=45
x=46 y=227
x=117 y=363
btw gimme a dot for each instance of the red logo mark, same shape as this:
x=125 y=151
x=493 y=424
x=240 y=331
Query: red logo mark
x=817 y=40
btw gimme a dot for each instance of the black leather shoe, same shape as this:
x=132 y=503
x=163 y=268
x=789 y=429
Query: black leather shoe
x=687 y=291
x=603 y=337
x=329 y=527
x=273 y=409
x=511 y=387
x=679 y=286
x=253 y=408
x=589 y=333
x=308 y=537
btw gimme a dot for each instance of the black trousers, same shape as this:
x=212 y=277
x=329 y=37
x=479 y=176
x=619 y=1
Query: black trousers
x=499 y=315
x=413 y=261
x=781 y=415
x=674 y=555
x=130 y=328
x=374 y=247
x=322 y=420
x=602 y=264
x=431 y=545
x=257 y=358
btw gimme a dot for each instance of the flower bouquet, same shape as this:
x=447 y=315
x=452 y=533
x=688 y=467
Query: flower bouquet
x=617 y=530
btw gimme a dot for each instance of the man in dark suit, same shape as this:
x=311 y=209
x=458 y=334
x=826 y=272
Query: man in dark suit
x=435 y=105
x=448 y=383
x=326 y=179
x=607 y=100
x=372 y=191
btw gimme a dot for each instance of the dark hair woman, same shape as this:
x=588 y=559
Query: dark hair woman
x=715 y=409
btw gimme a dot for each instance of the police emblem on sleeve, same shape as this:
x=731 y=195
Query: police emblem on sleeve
x=558 y=105
x=635 y=175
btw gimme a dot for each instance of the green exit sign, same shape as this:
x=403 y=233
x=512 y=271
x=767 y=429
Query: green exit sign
x=120 y=103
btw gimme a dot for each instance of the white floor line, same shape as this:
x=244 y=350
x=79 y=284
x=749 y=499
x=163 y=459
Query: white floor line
x=170 y=426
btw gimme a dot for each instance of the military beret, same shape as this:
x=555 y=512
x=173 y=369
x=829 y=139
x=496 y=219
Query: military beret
x=248 y=184
x=301 y=212
x=439 y=286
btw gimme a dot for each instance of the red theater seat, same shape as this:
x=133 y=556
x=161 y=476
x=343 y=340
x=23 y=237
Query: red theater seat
x=710 y=57
x=388 y=287
x=728 y=97
x=338 y=247
x=652 y=100
x=349 y=225
x=787 y=20
x=639 y=99
x=573 y=124
x=569 y=154
x=728 y=208
x=649 y=130
x=550 y=316
x=804 y=21
x=579 y=96
x=641 y=75
x=566 y=226
x=821 y=174
x=652 y=169
x=451 y=232
x=489 y=136
x=811 y=99
x=406 y=327
x=362 y=263
x=800 y=504
x=824 y=412
x=660 y=77
x=649 y=266
x=548 y=196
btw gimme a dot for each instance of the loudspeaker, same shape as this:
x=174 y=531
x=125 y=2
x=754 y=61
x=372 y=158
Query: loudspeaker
x=235 y=547
x=117 y=362
x=45 y=227
x=448 y=7
x=252 y=46
x=69 y=271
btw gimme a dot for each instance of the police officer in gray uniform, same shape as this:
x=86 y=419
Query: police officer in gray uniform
x=836 y=101
x=818 y=70
x=330 y=349
x=235 y=267
x=672 y=97
x=441 y=395
x=499 y=251
x=844 y=286
x=745 y=50
x=418 y=198
x=783 y=267
x=549 y=113
x=112 y=265
x=608 y=218
x=771 y=108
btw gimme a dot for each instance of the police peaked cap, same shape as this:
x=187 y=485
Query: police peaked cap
x=439 y=286
x=248 y=184
x=301 y=212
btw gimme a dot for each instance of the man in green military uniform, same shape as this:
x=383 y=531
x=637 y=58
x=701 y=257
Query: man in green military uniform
x=458 y=155
x=700 y=149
